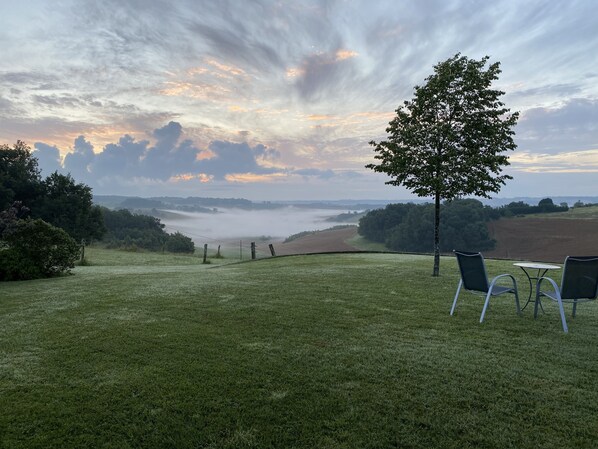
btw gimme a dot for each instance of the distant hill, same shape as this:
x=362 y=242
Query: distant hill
x=201 y=204
x=193 y=203
x=570 y=200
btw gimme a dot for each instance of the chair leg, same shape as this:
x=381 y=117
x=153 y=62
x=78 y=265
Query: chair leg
x=536 y=302
x=574 y=307
x=456 y=296
x=485 y=306
x=562 y=310
x=517 y=298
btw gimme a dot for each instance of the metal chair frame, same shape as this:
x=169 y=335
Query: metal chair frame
x=481 y=285
x=569 y=283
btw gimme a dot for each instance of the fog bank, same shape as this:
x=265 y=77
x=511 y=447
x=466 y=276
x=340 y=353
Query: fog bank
x=239 y=223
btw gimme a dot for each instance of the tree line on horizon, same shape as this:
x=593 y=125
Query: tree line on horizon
x=409 y=227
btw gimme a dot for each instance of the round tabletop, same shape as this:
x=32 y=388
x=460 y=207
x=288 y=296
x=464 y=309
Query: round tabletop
x=537 y=266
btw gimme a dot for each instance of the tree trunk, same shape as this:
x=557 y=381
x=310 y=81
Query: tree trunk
x=436 y=271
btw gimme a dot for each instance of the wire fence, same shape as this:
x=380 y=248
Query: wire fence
x=241 y=249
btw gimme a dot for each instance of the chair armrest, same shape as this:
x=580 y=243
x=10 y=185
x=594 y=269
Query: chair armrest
x=502 y=276
x=557 y=290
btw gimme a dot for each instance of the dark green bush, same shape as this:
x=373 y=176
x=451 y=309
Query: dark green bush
x=33 y=249
x=179 y=243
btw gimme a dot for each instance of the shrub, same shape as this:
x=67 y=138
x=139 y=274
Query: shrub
x=33 y=249
x=179 y=243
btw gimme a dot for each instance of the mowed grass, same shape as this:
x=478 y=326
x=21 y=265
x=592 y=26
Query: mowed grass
x=326 y=351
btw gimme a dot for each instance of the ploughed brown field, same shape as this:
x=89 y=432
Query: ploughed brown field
x=532 y=239
x=543 y=239
x=331 y=240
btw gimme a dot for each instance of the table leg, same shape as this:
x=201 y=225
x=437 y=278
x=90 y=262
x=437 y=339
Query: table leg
x=531 y=287
x=529 y=298
x=539 y=301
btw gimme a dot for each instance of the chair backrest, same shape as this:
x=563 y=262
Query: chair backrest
x=580 y=278
x=473 y=271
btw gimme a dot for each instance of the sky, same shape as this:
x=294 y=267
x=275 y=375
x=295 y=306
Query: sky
x=277 y=100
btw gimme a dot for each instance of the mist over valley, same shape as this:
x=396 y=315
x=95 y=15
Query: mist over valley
x=233 y=223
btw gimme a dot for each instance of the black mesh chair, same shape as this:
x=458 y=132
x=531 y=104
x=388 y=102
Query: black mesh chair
x=579 y=284
x=475 y=280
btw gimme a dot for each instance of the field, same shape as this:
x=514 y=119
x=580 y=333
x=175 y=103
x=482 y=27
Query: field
x=539 y=237
x=547 y=237
x=544 y=239
x=325 y=351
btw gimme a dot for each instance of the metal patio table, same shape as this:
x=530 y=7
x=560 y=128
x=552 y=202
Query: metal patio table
x=542 y=269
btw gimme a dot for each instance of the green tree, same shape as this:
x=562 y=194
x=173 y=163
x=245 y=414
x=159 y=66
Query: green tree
x=414 y=233
x=58 y=199
x=375 y=224
x=410 y=227
x=69 y=206
x=449 y=140
x=133 y=230
x=19 y=175
x=464 y=225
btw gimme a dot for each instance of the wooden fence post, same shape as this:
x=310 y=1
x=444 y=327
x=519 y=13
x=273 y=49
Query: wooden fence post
x=205 y=253
x=252 y=250
x=272 y=250
x=82 y=250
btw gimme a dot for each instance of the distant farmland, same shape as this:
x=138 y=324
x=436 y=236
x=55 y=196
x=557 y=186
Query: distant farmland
x=544 y=239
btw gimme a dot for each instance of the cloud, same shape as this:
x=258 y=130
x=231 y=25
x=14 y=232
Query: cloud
x=304 y=84
x=81 y=102
x=572 y=125
x=78 y=163
x=120 y=159
x=48 y=158
x=557 y=90
x=170 y=158
x=7 y=107
x=322 y=174
x=236 y=42
x=31 y=80
x=263 y=152
x=324 y=74
x=231 y=158
x=565 y=162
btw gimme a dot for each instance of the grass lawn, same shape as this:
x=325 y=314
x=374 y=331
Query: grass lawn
x=328 y=351
x=366 y=245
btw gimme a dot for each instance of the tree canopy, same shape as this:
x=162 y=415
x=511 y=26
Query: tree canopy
x=409 y=227
x=449 y=140
x=19 y=175
x=69 y=205
x=57 y=199
x=139 y=231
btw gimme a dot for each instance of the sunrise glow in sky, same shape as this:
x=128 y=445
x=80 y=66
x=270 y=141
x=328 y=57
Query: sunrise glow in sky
x=272 y=100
